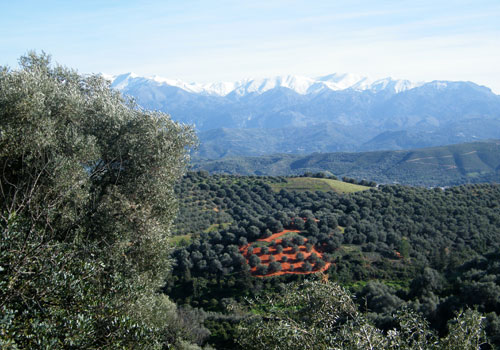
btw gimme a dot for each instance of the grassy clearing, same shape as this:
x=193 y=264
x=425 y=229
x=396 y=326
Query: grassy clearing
x=396 y=284
x=344 y=187
x=355 y=286
x=260 y=244
x=216 y=227
x=473 y=174
x=315 y=184
x=181 y=240
x=371 y=256
x=291 y=235
x=349 y=248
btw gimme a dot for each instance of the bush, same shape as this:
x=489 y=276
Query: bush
x=274 y=267
x=254 y=260
x=307 y=266
x=262 y=269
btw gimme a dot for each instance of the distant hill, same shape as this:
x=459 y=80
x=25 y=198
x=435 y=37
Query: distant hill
x=474 y=162
x=326 y=137
x=335 y=113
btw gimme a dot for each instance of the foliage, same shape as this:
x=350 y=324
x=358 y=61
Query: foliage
x=86 y=205
x=433 y=251
x=315 y=315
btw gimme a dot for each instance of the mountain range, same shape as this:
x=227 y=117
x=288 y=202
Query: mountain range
x=301 y=85
x=337 y=112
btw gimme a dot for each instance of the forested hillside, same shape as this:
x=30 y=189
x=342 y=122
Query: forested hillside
x=476 y=162
x=429 y=250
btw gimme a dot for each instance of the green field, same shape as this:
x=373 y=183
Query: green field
x=216 y=227
x=315 y=184
x=181 y=240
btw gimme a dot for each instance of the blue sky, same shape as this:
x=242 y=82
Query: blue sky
x=207 y=41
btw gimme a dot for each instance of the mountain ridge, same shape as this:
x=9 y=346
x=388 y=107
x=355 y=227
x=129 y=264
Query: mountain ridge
x=300 y=84
x=450 y=165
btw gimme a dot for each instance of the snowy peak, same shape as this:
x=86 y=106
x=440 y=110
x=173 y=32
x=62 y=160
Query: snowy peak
x=299 y=84
x=121 y=81
x=396 y=86
x=127 y=80
x=356 y=82
x=259 y=86
x=338 y=81
x=220 y=88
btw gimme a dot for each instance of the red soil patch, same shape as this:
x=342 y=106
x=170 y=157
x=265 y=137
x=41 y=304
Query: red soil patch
x=398 y=254
x=292 y=257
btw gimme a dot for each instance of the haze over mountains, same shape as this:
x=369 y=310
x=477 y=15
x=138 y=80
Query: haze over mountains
x=337 y=112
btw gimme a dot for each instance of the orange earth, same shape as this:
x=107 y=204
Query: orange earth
x=292 y=257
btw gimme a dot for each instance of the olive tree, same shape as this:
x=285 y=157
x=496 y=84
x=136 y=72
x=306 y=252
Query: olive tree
x=86 y=204
x=322 y=315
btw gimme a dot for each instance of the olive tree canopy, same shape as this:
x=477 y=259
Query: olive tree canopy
x=86 y=203
x=319 y=315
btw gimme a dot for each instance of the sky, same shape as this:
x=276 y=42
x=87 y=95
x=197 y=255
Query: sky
x=208 y=41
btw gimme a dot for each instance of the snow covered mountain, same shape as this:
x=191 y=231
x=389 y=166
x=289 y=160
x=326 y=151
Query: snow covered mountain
x=299 y=84
x=337 y=112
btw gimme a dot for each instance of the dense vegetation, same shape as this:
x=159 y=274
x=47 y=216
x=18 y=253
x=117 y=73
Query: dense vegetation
x=313 y=315
x=433 y=251
x=86 y=205
x=452 y=165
